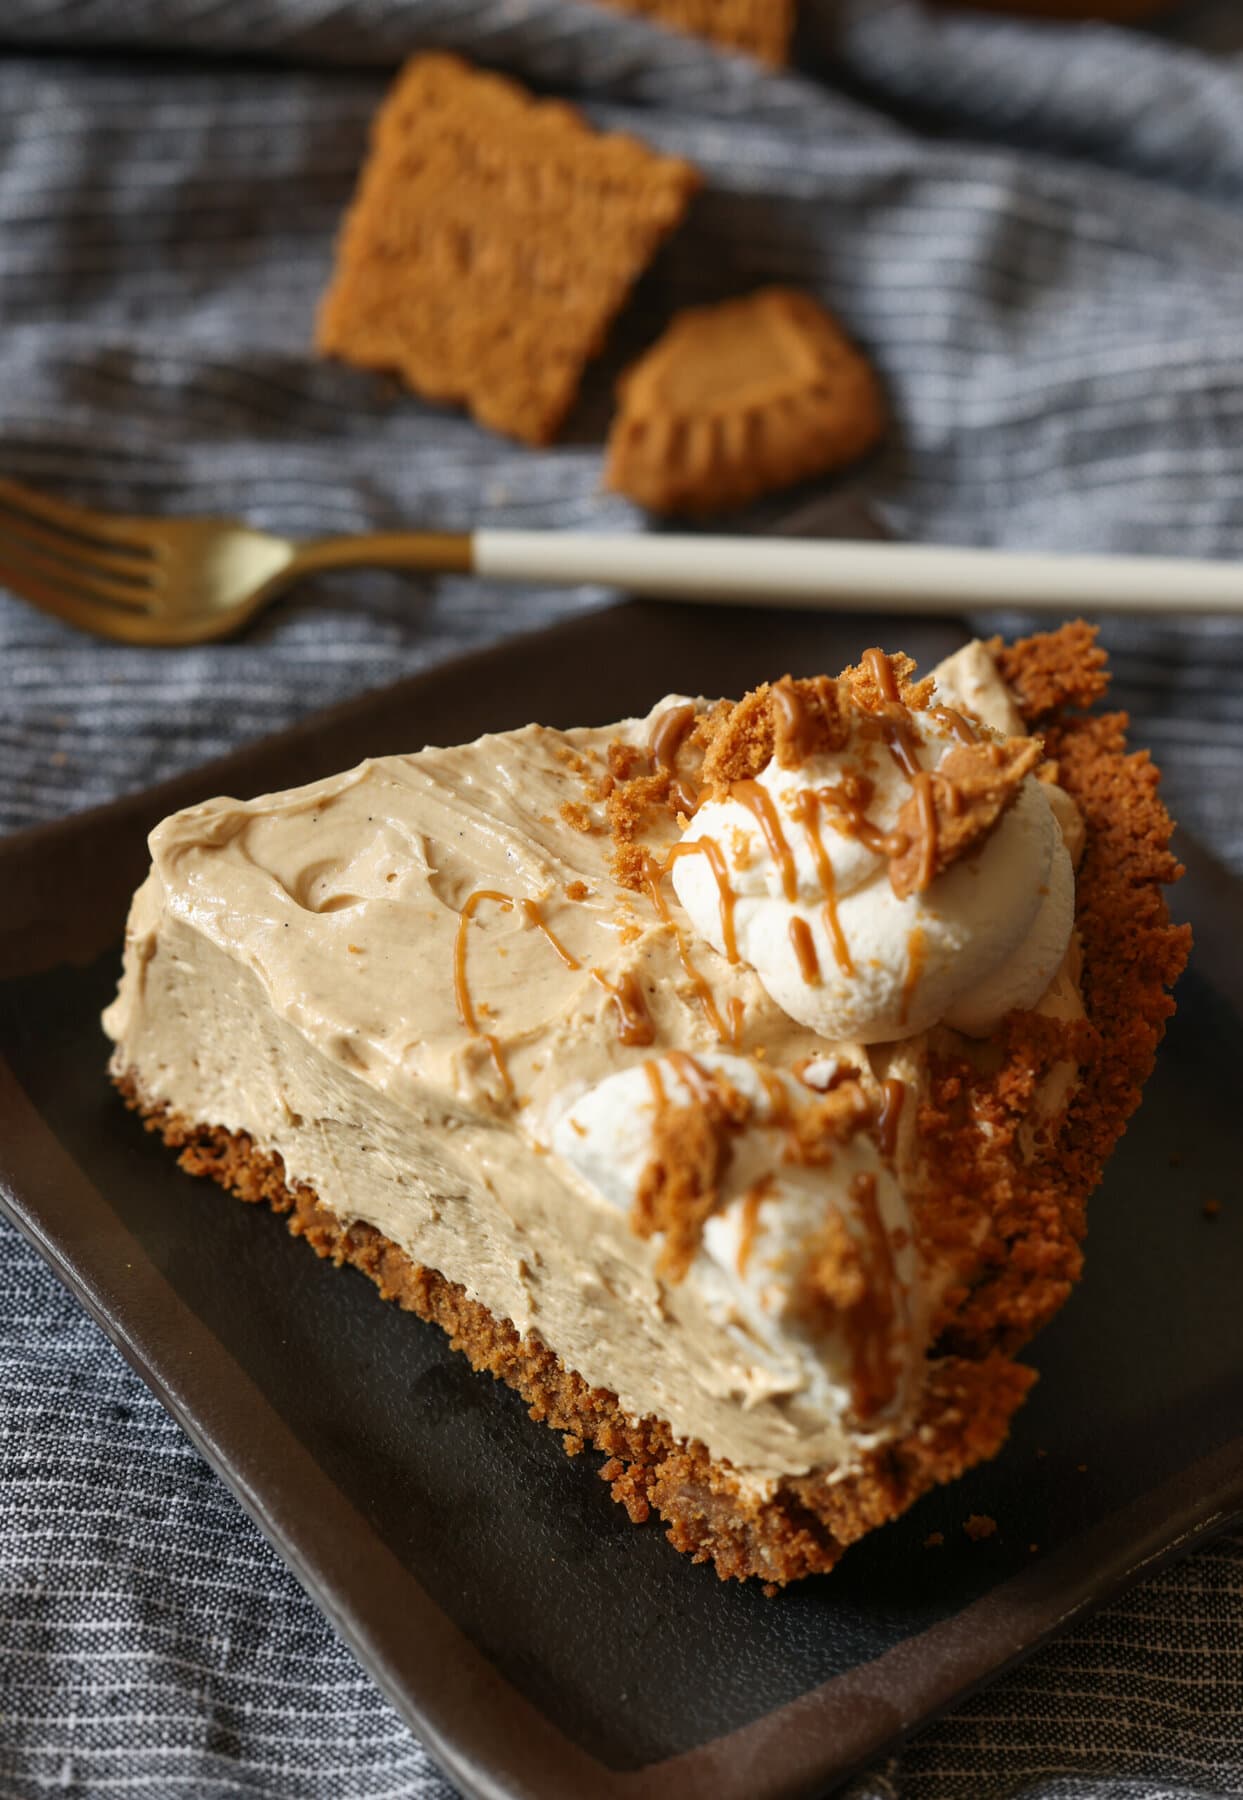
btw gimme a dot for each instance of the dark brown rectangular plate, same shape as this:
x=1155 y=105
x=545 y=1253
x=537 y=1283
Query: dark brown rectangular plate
x=538 y=1643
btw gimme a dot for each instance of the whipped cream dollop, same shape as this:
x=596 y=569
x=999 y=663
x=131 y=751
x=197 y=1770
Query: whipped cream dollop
x=856 y=1357
x=795 y=880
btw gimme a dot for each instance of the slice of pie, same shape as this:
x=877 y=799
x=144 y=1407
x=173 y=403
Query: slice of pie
x=729 y=1081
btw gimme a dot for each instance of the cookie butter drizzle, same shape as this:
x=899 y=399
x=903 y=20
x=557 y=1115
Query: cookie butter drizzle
x=896 y=732
x=709 y=847
x=869 y=1324
x=703 y=993
x=794 y=715
x=778 y=1097
x=533 y=916
x=893 y=1094
x=461 y=986
x=916 y=951
x=954 y=721
x=922 y=783
x=634 y=1022
x=855 y=822
x=898 y=739
x=663 y=746
x=693 y=1073
x=805 y=950
x=759 y=802
x=807 y=813
x=750 y=1218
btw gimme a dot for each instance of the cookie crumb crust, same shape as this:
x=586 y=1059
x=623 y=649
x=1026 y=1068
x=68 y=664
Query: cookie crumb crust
x=1132 y=954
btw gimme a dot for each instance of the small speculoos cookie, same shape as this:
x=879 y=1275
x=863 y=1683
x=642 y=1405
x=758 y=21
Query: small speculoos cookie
x=491 y=243
x=738 y=399
x=761 y=28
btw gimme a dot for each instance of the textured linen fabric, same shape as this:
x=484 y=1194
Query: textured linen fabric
x=1038 y=231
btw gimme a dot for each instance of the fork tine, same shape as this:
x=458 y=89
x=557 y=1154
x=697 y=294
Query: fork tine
x=72 y=552
x=106 y=530
x=21 y=567
x=87 y=616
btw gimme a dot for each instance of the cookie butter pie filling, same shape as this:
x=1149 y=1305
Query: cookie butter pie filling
x=647 y=1060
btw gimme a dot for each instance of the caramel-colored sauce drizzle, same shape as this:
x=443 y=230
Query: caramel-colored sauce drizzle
x=916 y=954
x=759 y=802
x=880 y=669
x=634 y=1022
x=869 y=1325
x=897 y=732
x=962 y=728
x=778 y=1097
x=735 y=1009
x=703 y=993
x=901 y=742
x=668 y=733
x=805 y=950
x=922 y=784
x=461 y=986
x=684 y=797
x=693 y=1074
x=498 y=1063
x=665 y=742
x=808 y=816
x=534 y=917
x=794 y=714
x=753 y=1199
x=856 y=824
x=659 y=1097
x=716 y=862
x=893 y=1093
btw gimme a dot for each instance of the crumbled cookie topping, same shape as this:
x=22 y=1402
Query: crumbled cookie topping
x=788 y=719
x=680 y=1189
x=967 y=795
x=868 y=691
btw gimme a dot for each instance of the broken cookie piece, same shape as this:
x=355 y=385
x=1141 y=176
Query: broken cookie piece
x=953 y=810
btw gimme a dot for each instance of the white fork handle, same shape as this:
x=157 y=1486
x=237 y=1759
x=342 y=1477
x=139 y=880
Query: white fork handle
x=828 y=572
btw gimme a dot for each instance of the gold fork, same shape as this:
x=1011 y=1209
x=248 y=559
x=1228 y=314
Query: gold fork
x=182 y=581
x=176 y=581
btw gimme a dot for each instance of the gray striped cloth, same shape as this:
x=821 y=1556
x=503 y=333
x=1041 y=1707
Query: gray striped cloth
x=1039 y=233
